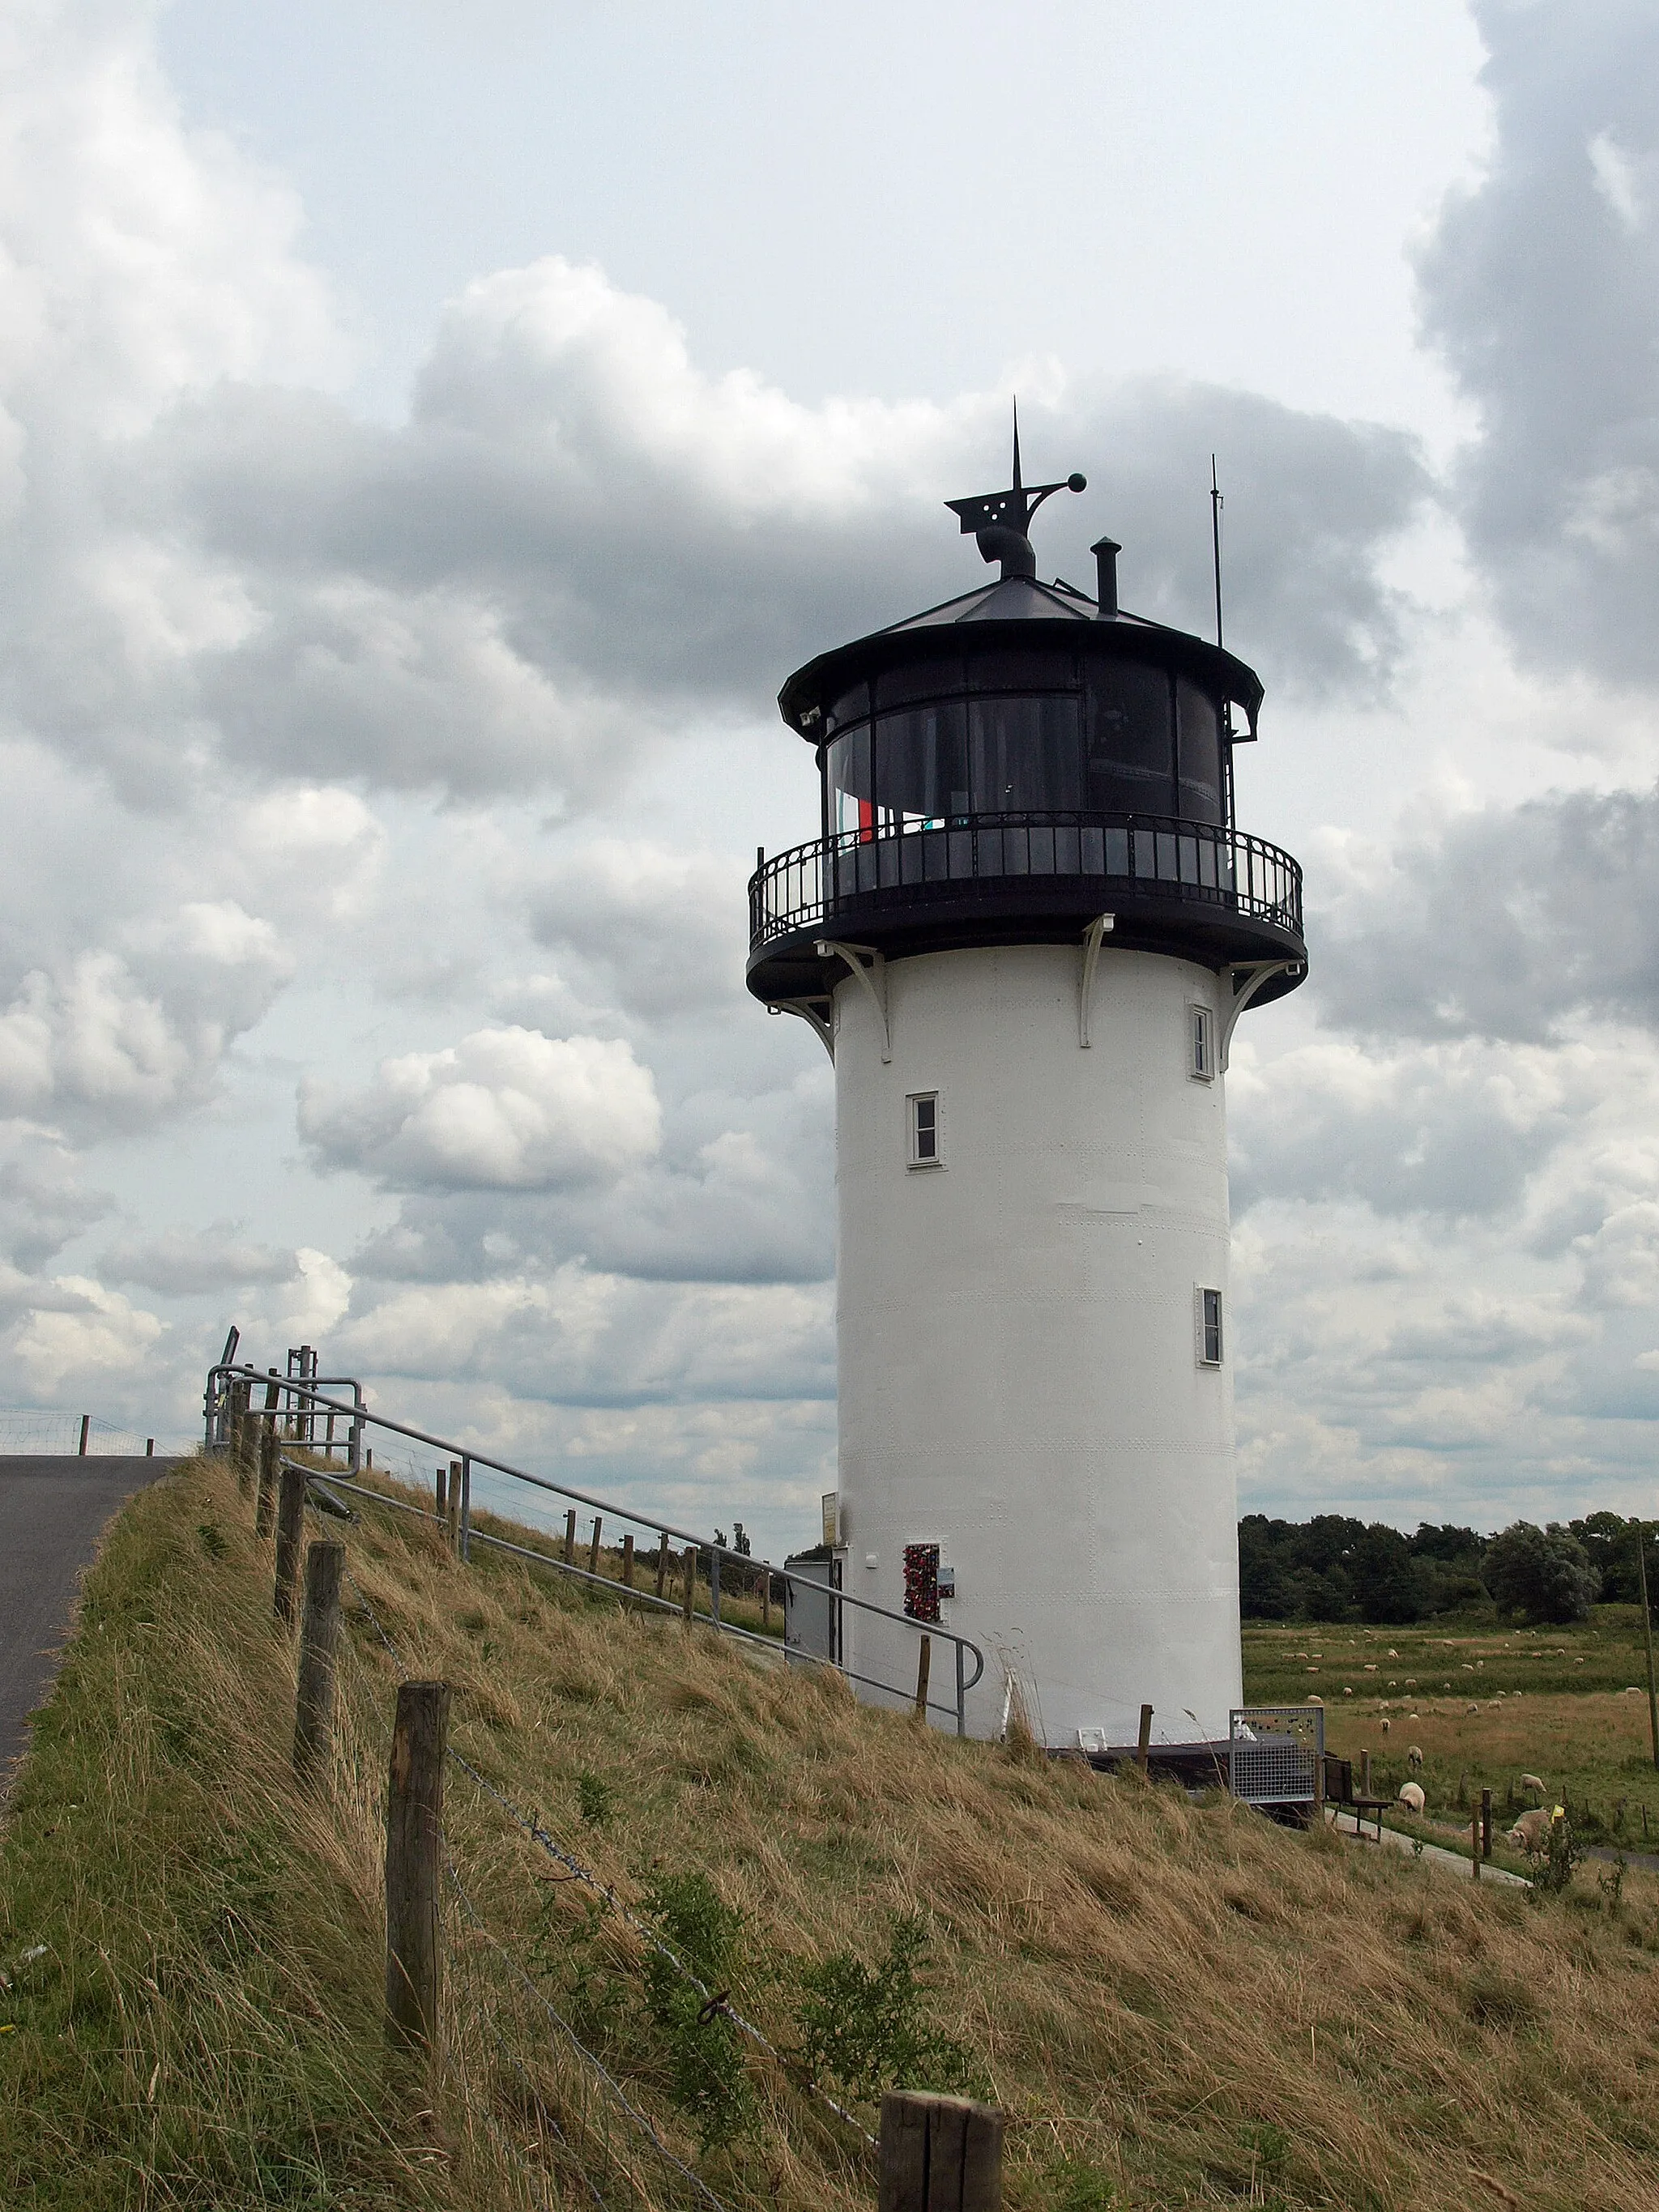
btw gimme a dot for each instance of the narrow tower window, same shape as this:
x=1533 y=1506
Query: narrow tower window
x=1202 y=1063
x=923 y=1107
x=1209 y=1317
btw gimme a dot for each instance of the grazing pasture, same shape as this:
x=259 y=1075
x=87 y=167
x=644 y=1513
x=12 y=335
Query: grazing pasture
x=1552 y=1702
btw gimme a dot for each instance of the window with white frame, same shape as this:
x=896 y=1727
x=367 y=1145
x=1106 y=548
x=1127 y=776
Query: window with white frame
x=1206 y=1317
x=1201 y=1044
x=922 y=1112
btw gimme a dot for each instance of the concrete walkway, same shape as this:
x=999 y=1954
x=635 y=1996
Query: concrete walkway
x=1433 y=1854
x=53 y=1509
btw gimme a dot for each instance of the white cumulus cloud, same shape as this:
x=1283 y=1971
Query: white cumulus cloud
x=504 y=1109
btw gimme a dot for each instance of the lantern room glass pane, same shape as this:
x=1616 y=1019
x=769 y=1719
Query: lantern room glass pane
x=1199 y=753
x=921 y=760
x=1130 y=767
x=1025 y=754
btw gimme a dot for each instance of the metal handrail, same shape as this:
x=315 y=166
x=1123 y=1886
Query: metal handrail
x=1163 y=854
x=214 y=1397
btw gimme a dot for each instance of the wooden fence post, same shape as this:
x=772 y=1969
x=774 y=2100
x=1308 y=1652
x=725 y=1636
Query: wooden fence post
x=1485 y=1823
x=628 y=1563
x=440 y=1490
x=1364 y=1774
x=662 y=1561
x=689 y=1596
x=1143 y=1747
x=466 y=1509
x=290 y=1531
x=570 y=1537
x=454 y=1505
x=414 y=1833
x=766 y=1599
x=85 y=1425
x=594 y=1549
x=939 y=2152
x=265 y=1507
x=924 y=1665
x=319 y=1637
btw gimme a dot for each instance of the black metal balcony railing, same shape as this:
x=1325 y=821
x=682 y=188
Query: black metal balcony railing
x=1150 y=854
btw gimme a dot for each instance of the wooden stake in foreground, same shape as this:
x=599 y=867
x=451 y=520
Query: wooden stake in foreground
x=413 y=1836
x=320 y=1638
x=264 y=1506
x=939 y=2152
x=924 y=1662
x=290 y=1529
x=690 y=1598
x=1144 y=1744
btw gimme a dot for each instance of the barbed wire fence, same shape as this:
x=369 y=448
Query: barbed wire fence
x=585 y=2108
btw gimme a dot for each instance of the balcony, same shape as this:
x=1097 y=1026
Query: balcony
x=1182 y=887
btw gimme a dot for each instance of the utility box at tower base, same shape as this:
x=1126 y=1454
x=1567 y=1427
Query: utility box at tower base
x=1024 y=934
x=813 y=1622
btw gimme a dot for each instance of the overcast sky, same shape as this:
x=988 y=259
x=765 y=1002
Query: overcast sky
x=430 y=434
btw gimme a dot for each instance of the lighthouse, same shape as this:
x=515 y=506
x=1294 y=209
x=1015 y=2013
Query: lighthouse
x=1025 y=932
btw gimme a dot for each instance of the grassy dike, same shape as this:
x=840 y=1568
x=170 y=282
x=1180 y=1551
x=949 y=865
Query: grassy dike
x=1177 y=2004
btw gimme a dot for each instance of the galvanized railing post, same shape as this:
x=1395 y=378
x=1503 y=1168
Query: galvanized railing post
x=714 y=1583
x=962 y=1696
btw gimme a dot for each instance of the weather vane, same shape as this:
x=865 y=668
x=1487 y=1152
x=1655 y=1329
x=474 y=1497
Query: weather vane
x=1000 y=521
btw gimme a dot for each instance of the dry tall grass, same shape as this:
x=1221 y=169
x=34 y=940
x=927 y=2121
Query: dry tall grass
x=1178 y=2004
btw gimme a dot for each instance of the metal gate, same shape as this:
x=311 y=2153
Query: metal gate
x=1276 y=1754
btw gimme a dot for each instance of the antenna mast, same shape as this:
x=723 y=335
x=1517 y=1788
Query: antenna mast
x=1215 y=541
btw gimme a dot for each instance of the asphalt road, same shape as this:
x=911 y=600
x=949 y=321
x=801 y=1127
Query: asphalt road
x=52 y=1511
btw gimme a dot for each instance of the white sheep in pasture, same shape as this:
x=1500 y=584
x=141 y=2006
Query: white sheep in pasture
x=1410 y=1796
x=1385 y=1728
x=1534 y=1783
x=1414 y=1757
x=1531 y=1831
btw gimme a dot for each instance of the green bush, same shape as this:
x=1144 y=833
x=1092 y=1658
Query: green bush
x=706 y=2075
x=862 y=2029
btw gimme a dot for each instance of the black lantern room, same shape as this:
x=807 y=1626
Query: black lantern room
x=1005 y=767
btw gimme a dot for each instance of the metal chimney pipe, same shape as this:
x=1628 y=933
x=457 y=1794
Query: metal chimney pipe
x=1106 y=550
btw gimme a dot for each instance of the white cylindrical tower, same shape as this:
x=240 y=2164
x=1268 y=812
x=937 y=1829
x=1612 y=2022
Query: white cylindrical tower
x=1024 y=934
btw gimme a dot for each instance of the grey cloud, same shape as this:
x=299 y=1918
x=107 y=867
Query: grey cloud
x=579 y=537
x=181 y=1263
x=1514 y=919
x=1540 y=287
x=577 y=1337
x=43 y=1202
x=749 y=1204
x=1426 y=1132
x=663 y=930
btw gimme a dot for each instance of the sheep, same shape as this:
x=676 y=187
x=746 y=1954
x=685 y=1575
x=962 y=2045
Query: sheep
x=1531 y=1831
x=1532 y=1781
x=1410 y=1796
x=1414 y=1756
x=1385 y=1728
x=1473 y=1709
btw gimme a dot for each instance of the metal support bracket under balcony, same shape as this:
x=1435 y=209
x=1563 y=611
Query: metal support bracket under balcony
x=808 y=1011
x=1246 y=982
x=873 y=978
x=1099 y=928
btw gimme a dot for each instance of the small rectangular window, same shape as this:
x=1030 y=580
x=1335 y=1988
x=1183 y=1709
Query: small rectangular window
x=923 y=1108
x=1201 y=1034
x=1209 y=1317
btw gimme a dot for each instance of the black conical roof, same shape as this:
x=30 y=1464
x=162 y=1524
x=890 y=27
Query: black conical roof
x=1024 y=610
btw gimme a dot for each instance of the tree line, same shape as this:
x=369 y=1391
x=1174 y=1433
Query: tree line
x=1331 y=1568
